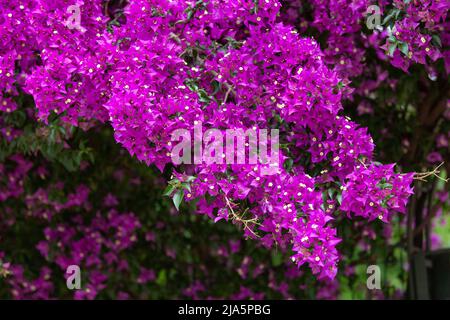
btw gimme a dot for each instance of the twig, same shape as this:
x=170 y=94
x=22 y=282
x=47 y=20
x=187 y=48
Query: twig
x=365 y=166
x=226 y=95
x=245 y=222
x=424 y=175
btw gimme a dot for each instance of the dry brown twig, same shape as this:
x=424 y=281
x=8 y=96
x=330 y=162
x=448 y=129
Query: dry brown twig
x=240 y=219
x=435 y=173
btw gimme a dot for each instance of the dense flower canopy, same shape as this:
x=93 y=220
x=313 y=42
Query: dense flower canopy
x=150 y=67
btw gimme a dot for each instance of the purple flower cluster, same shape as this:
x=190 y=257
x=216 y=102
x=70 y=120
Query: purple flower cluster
x=375 y=192
x=417 y=36
x=13 y=173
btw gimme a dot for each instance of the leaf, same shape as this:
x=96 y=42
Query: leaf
x=67 y=162
x=168 y=191
x=392 y=49
x=403 y=48
x=385 y=186
x=177 y=198
x=391 y=14
x=288 y=164
x=277 y=258
x=162 y=278
x=436 y=40
x=339 y=198
x=190 y=178
x=186 y=186
x=331 y=193
x=189 y=14
x=203 y=96
x=216 y=87
x=392 y=39
x=192 y=85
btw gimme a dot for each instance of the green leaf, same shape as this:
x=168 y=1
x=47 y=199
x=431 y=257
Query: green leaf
x=162 y=278
x=403 y=48
x=392 y=39
x=277 y=258
x=177 y=198
x=391 y=14
x=216 y=86
x=168 y=191
x=339 y=198
x=331 y=193
x=392 y=49
x=385 y=185
x=190 y=178
x=186 y=186
x=192 y=85
x=436 y=40
x=203 y=96
x=288 y=164
x=189 y=14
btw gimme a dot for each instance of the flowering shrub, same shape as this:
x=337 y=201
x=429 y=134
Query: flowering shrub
x=148 y=68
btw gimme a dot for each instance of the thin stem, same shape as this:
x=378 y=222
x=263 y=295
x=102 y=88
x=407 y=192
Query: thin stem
x=435 y=173
x=238 y=218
